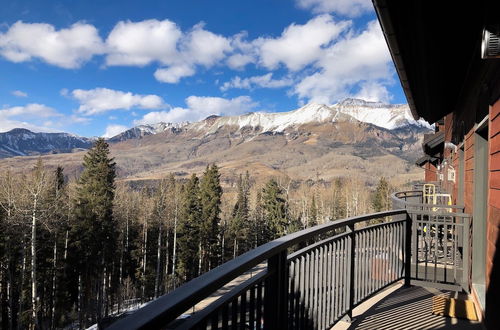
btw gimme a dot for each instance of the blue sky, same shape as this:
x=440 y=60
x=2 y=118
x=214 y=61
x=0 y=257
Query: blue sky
x=95 y=68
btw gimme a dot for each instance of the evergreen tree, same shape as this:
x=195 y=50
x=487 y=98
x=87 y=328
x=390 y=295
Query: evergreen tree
x=381 y=198
x=94 y=231
x=274 y=205
x=240 y=228
x=189 y=230
x=210 y=199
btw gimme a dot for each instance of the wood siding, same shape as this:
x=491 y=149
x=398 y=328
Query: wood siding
x=494 y=188
x=469 y=172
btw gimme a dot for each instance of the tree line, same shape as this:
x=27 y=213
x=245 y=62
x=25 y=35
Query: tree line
x=75 y=253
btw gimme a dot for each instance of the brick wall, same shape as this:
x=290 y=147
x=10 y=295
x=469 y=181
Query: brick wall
x=430 y=172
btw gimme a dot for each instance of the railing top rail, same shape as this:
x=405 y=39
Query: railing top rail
x=165 y=309
x=397 y=197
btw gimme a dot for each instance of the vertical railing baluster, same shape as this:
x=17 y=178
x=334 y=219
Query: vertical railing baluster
x=329 y=284
x=214 y=320
x=225 y=316
x=251 y=309
x=321 y=287
x=260 y=305
x=351 y=267
x=234 y=314
x=275 y=299
x=410 y=226
x=465 y=256
x=298 y=291
x=336 y=280
x=302 y=291
x=307 y=289
x=291 y=291
x=243 y=310
x=314 y=301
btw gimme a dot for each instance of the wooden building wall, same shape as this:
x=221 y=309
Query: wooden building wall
x=494 y=188
x=469 y=172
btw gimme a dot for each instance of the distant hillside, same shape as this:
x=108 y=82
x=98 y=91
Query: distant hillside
x=22 y=142
x=313 y=141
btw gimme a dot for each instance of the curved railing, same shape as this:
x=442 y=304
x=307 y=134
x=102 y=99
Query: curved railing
x=311 y=288
x=412 y=200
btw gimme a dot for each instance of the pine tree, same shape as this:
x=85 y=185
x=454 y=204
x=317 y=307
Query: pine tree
x=210 y=199
x=275 y=209
x=94 y=231
x=240 y=228
x=189 y=230
x=381 y=199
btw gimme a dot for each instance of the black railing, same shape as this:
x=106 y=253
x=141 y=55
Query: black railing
x=313 y=287
x=440 y=243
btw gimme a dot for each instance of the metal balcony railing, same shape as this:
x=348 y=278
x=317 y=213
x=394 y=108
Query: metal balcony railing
x=313 y=287
x=315 y=277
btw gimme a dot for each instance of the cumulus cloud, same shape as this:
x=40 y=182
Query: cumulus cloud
x=174 y=73
x=18 y=117
x=140 y=43
x=264 y=81
x=373 y=91
x=19 y=93
x=300 y=45
x=67 y=48
x=204 y=47
x=361 y=58
x=113 y=129
x=200 y=107
x=99 y=100
x=349 y=8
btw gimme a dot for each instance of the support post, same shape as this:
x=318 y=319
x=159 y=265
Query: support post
x=276 y=293
x=408 y=242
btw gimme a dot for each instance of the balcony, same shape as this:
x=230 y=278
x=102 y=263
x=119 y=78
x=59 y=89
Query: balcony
x=373 y=271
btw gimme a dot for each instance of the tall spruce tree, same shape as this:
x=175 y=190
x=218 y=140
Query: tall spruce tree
x=94 y=231
x=381 y=200
x=189 y=242
x=210 y=198
x=274 y=205
x=240 y=226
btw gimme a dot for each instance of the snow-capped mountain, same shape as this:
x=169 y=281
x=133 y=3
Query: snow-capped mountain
x=23 y=142
x=140 y=131
x=387 y=116
x=390 y=116
x=20 y=142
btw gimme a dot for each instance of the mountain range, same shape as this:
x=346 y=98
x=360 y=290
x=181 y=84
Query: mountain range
x=371 y=137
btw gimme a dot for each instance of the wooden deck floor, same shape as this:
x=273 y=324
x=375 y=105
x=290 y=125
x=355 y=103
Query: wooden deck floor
x=404 y=308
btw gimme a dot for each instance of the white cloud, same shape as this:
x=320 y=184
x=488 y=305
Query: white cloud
x=174 y=73
x=361 y=58
x=140 y=43
x=67 y=48
x=300 y=45
x=373 y=91
x=99 y=100
x=200 y=107
x=265 y=81
x=239 y=61
x=19 y=93
x=34 y=110
x=112 y=130
x=349 y=8
x=15 y=117
x=204 y=47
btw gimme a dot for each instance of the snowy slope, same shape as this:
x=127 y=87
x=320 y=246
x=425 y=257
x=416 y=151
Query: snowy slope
x=144 y=130
x=383 y=115
x=390 y=116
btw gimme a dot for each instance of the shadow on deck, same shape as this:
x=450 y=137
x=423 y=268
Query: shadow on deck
x=404 y=308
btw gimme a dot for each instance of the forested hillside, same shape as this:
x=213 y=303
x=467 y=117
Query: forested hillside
x=75 y=252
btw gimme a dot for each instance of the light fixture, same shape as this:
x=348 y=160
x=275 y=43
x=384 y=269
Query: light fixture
x=490 y=44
